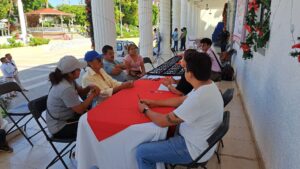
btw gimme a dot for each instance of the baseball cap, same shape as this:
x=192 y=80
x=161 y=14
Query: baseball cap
x=69 y=63
x=91 y=55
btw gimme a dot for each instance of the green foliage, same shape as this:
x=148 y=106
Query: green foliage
x=133 y=31
x=154 y=14
x=12 y=43
x=5 y=6
x=129 y=12
x=31 y=5
x=78 y=11
x=38 y=41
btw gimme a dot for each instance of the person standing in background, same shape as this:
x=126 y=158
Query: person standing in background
x=175 y=39
x=183 y=39
x=16 y=72
x=8 y=74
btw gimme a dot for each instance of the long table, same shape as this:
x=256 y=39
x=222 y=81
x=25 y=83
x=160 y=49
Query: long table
x=109 y=133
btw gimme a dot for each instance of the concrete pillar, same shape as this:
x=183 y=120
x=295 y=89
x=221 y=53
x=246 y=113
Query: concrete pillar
x=176 y=14
x=193 y=19
x=183 y=14
x=145 y=26
x=22 y=20
x=164 y=28
x=103 y=23
x=198 y=22
x=189 y=18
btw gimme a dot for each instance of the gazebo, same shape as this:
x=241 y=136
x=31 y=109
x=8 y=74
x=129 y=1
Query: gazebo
x=48 y=23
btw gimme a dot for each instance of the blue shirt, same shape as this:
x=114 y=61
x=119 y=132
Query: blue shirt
x=109 y=66
x=7 y=70
x=175 y=36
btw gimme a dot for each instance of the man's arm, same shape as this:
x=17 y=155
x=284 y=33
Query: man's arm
x=172 y=102
x=162 y=120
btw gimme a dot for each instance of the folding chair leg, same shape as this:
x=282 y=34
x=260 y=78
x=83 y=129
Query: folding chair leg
x=218 y=157
x=15 y=124
x=59 y=156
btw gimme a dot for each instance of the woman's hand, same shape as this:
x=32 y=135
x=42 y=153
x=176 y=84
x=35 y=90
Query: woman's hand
x=94 y=90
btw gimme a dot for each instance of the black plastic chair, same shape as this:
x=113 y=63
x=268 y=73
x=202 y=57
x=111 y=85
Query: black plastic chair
x=212 y=140
x=227 y=96
x=37 y=107
x=148 y=60
x=20 y=111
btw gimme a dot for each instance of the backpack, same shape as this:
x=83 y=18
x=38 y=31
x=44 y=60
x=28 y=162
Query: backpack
x=227 y=71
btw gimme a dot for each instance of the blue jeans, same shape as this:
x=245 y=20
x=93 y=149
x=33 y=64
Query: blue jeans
x=169 y=151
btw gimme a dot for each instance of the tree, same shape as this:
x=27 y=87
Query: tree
x=78 y=11
x=31 y=5
x=154 y=14
x=5 y=7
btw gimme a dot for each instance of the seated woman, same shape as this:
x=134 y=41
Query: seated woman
x=134 y=63
x=95 y=75
x=64 y=105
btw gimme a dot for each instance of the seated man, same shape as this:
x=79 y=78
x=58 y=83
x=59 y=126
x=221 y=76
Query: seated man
x=199 y=114
x=205 y=44
x=183 y=87
x=111 y=66
x=95 y=75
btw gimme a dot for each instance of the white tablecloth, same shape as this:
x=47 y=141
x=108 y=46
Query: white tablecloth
x=117 y=151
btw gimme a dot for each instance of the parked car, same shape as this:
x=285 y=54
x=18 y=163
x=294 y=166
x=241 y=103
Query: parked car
x=122 y=49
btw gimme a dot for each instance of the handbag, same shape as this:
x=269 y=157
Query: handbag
x=227 y=71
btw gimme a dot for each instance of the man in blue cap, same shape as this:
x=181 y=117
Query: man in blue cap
x=95 y=75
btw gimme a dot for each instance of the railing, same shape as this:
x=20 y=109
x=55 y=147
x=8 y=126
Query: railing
x=48 y=29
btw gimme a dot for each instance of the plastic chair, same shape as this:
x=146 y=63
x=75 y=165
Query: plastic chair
x=227 y=96
x=37 y=107
x=148 y=60
x=212 y=140
x=21 y=111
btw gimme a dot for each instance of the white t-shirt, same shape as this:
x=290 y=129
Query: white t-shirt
x=202 y=113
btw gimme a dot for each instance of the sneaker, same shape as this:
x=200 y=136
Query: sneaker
x=6 y=148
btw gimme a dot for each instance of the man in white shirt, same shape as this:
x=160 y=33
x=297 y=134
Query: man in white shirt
x=8 y=73
x=199 y=114
x=16 y=72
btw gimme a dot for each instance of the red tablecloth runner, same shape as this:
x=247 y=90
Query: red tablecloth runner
x=121 y=110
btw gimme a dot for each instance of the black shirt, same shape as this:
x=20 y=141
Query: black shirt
x=184 y=86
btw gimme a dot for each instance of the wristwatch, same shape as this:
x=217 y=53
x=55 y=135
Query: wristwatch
x=146 y=109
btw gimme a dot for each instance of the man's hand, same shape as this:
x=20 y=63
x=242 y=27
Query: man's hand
x=142 y=106
x=150 y=103
x=128 y=84
x=168 y=81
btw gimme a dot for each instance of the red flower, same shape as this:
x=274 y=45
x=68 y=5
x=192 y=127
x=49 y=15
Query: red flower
x=245 y=47
x=296 y=46
x=253 y=5
x=248 y=28
x=260 y=33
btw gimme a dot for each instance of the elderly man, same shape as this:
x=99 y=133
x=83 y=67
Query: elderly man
x=199 y=114
x=111 y=66
x=95 y=75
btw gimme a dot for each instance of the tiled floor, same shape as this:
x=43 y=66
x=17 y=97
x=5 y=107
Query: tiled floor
x=239 y=151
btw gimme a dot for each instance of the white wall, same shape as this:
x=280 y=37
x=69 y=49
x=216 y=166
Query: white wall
x=208 y=21
x=270 y=87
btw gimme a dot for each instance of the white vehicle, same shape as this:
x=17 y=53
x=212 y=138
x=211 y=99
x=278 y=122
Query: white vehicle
x=121 y=48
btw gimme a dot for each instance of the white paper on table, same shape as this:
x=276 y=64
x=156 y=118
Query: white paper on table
x=164 y=88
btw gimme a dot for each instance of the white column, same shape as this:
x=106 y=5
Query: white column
x=183 y=14
x=189 y=18
x=22 y=20
x=164 y=28
x=176 y=14
x=145 y=26
x=198 y=22
x=193 y=18
x=103 y=23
